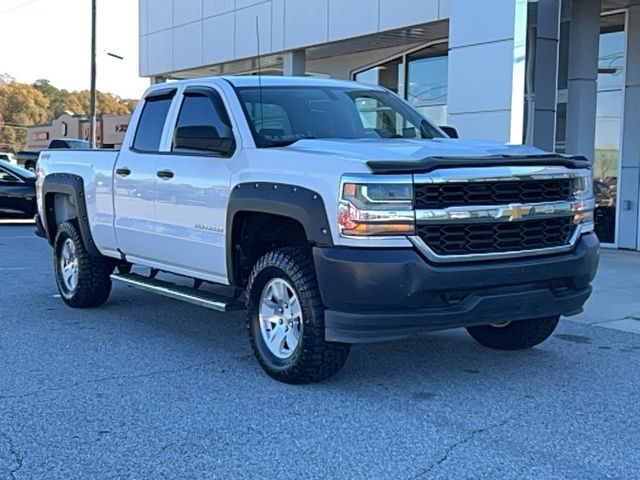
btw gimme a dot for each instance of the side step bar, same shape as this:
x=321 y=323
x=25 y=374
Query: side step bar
x=178 y=292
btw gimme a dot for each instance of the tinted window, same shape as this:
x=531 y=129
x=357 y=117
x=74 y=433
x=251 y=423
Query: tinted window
x=151 y=124
x=204 y=110
x=6 y=177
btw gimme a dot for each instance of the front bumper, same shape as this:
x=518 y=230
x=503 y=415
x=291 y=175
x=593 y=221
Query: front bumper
x=373 y=295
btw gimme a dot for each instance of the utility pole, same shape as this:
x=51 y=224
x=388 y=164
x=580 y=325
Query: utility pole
x=93 y=94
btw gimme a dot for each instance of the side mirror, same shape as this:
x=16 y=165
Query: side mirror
x=450 y=131
x=202 y=138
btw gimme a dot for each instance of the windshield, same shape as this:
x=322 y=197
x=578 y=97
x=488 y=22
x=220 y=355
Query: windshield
x=74 y=144
x=280 y=116
x=78 y=144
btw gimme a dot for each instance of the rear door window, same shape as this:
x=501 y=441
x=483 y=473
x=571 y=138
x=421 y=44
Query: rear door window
x=151 y=124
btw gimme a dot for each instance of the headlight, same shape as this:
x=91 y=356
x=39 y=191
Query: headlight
x=583 y=186
x=584 y=202
x=375 y=208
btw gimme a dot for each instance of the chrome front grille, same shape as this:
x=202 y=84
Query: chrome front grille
x=428 y=196
x=494 y=212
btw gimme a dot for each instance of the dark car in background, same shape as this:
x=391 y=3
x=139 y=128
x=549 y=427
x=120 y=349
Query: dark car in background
x=17 y=191
x=29 y=158
x=72 y=143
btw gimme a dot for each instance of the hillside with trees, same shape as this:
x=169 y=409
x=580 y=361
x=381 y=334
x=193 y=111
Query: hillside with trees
x=23 y=105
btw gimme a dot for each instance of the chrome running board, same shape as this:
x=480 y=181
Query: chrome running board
x=177 y=292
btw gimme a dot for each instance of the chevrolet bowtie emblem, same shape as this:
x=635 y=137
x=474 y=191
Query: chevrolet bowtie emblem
x=515 y=212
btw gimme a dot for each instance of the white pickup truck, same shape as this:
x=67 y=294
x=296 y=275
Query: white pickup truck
x=334 y=213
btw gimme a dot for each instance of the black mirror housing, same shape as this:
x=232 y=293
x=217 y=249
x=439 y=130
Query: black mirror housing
x=450 y=131
x=202 y=138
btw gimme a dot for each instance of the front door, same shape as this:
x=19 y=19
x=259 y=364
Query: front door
x=134 y=181
x=193 y=192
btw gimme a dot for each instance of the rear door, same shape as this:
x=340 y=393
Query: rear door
x=193 y=191
x=135 y=179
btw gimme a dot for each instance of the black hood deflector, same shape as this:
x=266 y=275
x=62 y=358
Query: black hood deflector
x=430 y=164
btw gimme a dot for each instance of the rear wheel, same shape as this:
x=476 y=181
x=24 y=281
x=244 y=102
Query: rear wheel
x=515 y=335
x=83 y=279
x=286 y=320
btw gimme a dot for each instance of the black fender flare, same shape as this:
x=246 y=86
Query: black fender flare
x=291 y=201
x=73 y=186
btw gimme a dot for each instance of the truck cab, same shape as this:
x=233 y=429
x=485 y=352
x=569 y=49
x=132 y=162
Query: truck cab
x=333 y=212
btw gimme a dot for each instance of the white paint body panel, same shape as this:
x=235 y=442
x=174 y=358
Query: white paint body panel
x=158 y=222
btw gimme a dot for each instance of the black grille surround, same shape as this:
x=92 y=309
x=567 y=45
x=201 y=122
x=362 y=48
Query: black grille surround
x=486 y=238
x=456 y=194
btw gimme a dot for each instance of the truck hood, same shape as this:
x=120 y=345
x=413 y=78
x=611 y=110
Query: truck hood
x=403 y=149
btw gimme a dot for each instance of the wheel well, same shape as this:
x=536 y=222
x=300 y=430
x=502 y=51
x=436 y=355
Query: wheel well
x=254 y=234
x=59 y=208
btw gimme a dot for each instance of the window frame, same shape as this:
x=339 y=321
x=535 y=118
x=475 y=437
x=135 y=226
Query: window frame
x=156 y=95
x=214 y=96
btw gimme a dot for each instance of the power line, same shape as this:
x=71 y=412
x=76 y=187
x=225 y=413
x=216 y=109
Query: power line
x=17 y=7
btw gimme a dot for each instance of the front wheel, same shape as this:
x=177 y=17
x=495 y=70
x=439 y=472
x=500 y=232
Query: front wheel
x=83 y=279
x=515 y=335
x=286 y=320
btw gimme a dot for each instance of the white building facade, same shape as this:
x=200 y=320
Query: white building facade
x=563 y=75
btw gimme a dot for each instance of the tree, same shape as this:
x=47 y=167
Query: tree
x=20 y=105
x=78 y=103
x=25 y=105
x=57 y=97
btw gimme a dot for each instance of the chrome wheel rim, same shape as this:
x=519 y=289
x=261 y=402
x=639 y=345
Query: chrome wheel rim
x=68 y=267
x=280 y=318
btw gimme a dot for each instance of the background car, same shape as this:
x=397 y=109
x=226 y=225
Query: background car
x=72 y=143
x=29 y=158
x=8 y=157
x=17 y=191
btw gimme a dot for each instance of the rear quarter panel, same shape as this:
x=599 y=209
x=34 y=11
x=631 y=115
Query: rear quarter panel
x=95 y=167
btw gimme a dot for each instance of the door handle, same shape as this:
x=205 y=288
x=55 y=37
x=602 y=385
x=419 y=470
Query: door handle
x=164 y=174
x=123 y=172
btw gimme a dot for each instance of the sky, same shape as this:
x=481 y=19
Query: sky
x=51 y=39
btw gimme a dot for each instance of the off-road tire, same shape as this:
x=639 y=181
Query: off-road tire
x=314 y=359
x=515 y=335
x=94 y=282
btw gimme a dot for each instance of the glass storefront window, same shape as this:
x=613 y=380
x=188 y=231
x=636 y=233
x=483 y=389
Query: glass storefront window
x=389 y=75
x=611 y=56
x=428 y=82
x=420 y=77
x=608 y=125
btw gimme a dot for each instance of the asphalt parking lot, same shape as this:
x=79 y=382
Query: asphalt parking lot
x=146 y=387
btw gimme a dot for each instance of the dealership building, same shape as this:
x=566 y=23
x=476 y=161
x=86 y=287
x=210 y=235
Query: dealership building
x=563 y=75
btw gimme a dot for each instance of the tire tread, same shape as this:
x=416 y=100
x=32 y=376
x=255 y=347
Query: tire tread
x=94 y=273
x=319 y=359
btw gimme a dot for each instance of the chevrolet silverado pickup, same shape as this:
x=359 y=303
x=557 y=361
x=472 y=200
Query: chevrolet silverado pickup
x=333 y=212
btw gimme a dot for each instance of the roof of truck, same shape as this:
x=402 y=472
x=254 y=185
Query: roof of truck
x=265 y=81
x=270 y=81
